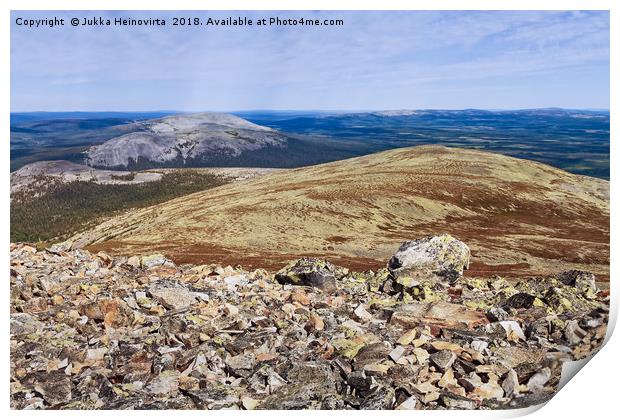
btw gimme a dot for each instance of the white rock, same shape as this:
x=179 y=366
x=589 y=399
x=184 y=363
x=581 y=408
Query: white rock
x=513 y=330
x=479 y=345
x=408 y=404
x=362 y=314
x=397 y=353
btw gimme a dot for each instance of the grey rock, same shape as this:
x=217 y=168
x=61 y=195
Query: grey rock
x=360 y=381
x=457 y=402
x=582 y=280
x=23 y=323
x=310 y=384
x=539 y=380
x=214 y=396
x=513 y=330
x=573 y=333
x=443 y=359
x=397 y=353
x=520 y=300
x=510 y=385
x=381 y=399
x=371 y=354
x=181 y=139
x=497 y=314
x=443 y=257
x=172 y=295
x=54 y=387
x=313 y=272
x=409 y=404
x=479 y=346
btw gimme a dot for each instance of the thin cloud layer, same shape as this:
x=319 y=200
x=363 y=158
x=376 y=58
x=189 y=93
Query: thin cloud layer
x=377 y=60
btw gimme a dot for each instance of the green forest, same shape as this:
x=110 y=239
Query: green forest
x=66 y=208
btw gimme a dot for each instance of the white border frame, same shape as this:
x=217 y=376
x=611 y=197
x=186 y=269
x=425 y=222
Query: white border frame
x=593 y=394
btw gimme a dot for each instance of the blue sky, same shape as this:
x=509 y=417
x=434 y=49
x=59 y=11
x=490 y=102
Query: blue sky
x=377 y=60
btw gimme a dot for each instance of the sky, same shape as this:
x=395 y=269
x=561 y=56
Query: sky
x=376 y=61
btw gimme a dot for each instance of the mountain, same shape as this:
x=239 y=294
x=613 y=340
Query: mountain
x=573 y=140
x=519 y=217
x=183 y=140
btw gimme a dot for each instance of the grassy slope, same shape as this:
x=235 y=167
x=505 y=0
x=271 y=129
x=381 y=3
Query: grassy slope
x=518 y=216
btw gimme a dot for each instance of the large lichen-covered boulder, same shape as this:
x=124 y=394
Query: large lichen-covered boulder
x=313 y=272
x=310 y=385
x=582 y=280
x=435 y=258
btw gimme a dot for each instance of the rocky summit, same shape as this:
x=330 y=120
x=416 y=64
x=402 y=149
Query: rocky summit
x=93 y=331
x=184 y=140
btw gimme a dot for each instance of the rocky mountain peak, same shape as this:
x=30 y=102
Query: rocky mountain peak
x=184 y=140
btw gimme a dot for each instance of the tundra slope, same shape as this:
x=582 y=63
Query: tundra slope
x=519 y=217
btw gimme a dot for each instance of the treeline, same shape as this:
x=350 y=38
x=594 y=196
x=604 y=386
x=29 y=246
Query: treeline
x=66 y=208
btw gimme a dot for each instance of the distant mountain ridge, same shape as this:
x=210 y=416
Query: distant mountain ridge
x=574 y=140
x=181 y=139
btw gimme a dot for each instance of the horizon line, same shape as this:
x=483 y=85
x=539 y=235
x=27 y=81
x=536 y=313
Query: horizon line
x=321 y=110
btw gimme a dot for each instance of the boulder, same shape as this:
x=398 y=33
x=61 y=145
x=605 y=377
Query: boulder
x=172 y=295
x=520 y=300
x=313 y=272
x=581 y=280
x=55 y=387
x=116 y=313
x=309 y=384
x=438 y=258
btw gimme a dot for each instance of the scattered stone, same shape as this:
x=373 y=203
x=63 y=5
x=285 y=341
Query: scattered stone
x=249 y=403
x=443 y=359
x=171 y=295
x=511 y=383
x=479 y=346
x=116 y=313
x=154 y=260
x=407 y=338
x=539 y=380
x=381 y=399
x=520 y=300
x=93 y=331
x=54 y=387
x=579 y=279
x=409 y=404
x=573 y=333
x=497 y=314
x=134 y=261
x=35 y=305
x=362 y=314
x=397 y=353
x=513 y=330
x=440 y=314
x=313 y=272
x=457 y=402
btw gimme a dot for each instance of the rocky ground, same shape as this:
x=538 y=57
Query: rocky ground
x=90 y=331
